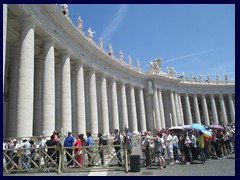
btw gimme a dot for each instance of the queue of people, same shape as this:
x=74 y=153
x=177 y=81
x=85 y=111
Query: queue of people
x=191 y=145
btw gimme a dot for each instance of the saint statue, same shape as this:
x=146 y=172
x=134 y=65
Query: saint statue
x=80 y=23
x=121 y=55
x=226 y=77
x=200 y=77
x=208 y=77
x=217 y=77
x=100 y=42
x=183 y=75
x=110 y=50
x=138 y=63
x=90 y=33
x=65 y=9
x=151 y=65
x=129 y=60
x=192 y=77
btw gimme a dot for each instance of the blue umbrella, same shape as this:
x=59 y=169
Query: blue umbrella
x=198 y=127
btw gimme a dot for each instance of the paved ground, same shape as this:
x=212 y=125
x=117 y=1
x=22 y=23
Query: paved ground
x=222 y=167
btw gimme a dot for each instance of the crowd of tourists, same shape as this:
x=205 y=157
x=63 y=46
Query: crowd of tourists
x=72 y=145
x=187 y=146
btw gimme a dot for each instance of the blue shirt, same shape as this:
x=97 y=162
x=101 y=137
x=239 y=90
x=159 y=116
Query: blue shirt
x=89 y=142
x=68 y=141
x=129 y=136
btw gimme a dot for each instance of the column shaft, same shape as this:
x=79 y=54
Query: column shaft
x=48 y=121
x=173 y=109
x=24 y=126
x=66 y=107
x=149 y=111
x=4 y=39
x=188 y=109
x=124 y=108
x=214 y=109
x=181 y=109
x=223 y=109
x=178 y=115
x=162 y=116
x=205 y=110
x=80 y=96
x=156 y=109
x=115 y=116
x=11 y=120
x=93 y=102
x=133 y=110
x=196 y=109
x=104 y=106
x=142 y=117
x=232 y=108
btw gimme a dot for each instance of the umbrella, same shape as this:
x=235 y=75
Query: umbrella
x=198 y=127
x=215 y=127
x=207 y=134
x=187 y=127
x=176 y=128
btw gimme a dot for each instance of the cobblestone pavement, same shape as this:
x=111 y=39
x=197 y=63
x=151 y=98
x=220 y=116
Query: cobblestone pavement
x=222 y=167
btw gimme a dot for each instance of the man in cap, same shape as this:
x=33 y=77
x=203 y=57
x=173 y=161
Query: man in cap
x=68 y=143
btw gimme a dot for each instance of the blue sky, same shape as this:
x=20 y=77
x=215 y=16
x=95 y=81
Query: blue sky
x=191 y=38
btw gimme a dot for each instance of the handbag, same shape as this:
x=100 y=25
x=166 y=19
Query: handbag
x=79 y=153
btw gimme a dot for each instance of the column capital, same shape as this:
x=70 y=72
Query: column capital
x=49 y=39
x=65 y=52
x=29 y=21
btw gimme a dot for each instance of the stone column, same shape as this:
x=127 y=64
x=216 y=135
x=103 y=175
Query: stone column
x=196 y=109
x=133 y=110
x=11 y=105
x=104 y=105
x=162 y=116
x=178 y=115
x=173 y=109
x=48 y=110
x=181 y=109
x=124 y=108
x=38 y=92
x=115 y=116
x=4 y=38
x=188 y=109
x=223 y=109
x=156 y=109
x=66 y=107
x=93 y=102
x=149 y=111
x=205 y=110
x=25 y=92
x=232 y=108
x=80 y=99
x=142 y=117
x=214 y=110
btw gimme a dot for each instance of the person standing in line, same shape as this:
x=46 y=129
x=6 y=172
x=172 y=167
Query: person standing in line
x=169 y=147
x=193 y=146
x=145 y=148
x=89 y=145
x=68 y=143
x=129 y=143
x=27 y=153
x=78 y=150
x=158 y=141
x=117 y=141
x=100 y=149
x=175 y=146
x=200 y=140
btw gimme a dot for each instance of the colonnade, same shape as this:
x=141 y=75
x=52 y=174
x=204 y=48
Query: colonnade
x=49 y=91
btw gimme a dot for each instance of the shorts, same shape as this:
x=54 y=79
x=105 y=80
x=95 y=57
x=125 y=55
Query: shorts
x=158 y=154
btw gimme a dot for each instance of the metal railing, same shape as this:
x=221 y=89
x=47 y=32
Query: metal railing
x=59 y=158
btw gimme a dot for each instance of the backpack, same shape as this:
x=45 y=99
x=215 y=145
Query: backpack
x=105 y=142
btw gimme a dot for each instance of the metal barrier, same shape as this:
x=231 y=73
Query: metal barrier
x=59 y=158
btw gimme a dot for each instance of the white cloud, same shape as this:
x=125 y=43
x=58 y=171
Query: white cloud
x=187 y=56
x=114 y=24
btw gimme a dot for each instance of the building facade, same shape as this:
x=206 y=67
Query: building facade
x=55 y=76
